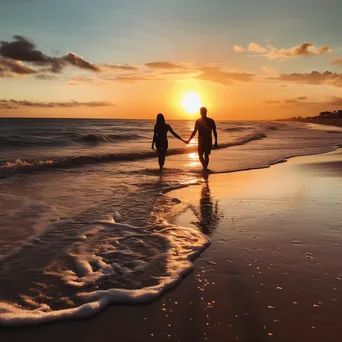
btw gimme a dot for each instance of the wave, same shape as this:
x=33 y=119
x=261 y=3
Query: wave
x=258 y=127
x=237 y=129
x=98 y=138
x=10 y=168
x=105 y=264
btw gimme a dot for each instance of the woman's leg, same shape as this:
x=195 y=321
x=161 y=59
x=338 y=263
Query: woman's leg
x=161 y=158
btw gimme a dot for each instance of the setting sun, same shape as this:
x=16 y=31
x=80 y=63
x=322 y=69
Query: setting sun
x=191 y=103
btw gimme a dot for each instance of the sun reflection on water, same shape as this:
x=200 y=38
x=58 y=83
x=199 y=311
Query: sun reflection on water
x=193 y=160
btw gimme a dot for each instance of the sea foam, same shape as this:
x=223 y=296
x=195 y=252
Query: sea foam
x=109 y=263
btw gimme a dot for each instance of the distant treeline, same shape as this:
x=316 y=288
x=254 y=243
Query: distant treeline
x=337 y=114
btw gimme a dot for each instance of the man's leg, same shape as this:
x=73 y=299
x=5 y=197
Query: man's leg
x=201 y=158
x=206 y=160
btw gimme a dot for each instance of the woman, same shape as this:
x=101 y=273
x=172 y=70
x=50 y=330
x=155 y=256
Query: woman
x=160 y=138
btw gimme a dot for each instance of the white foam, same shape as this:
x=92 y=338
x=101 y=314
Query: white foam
x=150 y=262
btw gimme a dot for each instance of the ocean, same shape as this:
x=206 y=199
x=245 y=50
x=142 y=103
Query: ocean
x=83 y=203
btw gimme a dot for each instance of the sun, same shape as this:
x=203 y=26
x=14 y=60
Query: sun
x=191 y=103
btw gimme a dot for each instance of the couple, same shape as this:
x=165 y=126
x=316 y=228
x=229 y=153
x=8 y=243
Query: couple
x=204 y=125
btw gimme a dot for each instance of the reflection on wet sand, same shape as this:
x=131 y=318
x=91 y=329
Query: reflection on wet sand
x=207 y=213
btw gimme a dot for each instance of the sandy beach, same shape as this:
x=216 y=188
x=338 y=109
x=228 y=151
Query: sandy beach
x=272 y=272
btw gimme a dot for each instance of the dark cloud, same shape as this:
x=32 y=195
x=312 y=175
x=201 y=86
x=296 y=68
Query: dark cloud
x=122 y=67
x=14 y=104
x=24 y=50
x=164 y=66
x=11 y=67
x=217 y=75
x=79 y=62
x=45 y=77
x=314 y=78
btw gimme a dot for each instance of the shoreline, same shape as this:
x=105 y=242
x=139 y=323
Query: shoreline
x=327 y=122
x=200 y=308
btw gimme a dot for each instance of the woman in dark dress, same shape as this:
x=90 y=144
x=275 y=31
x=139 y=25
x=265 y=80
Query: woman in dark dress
x=160 y=138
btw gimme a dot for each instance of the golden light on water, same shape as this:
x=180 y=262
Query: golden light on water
x=193 y=160
x=191 y=103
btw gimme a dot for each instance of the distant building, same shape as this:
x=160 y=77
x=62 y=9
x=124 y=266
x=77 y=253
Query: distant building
x=331 y=115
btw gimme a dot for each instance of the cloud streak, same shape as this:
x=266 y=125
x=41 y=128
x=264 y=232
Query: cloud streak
x=217 y=75
x=271 y=52
x=11 y=68
x=121 y=67
x=164 y=66
x=15 y=104
x=313 y=78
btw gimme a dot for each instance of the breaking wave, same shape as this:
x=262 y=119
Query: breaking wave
x=9 y=168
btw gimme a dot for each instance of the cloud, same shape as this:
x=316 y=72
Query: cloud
x=133 y=78
x=238 y=48
x=302 y=101
x=336 y=61
x=164 y=65
x=305 y=49
x=14 y=104
x=11 y=68
x=314 y=78
x=335 y=101
x=217 y=75
x=296 y=101
x=268 y=69
x=23 y=50
x=45 y=77
x=272 y=102
x=122 y=67
x=254 y=47
x=79 y=62
x=271 y=52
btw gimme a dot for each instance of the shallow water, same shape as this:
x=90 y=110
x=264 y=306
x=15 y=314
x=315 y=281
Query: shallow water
x=82 y=217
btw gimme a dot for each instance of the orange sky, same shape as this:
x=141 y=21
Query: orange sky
x=122 y=61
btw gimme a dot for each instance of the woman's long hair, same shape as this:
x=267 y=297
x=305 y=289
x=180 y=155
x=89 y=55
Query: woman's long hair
x=160 y=119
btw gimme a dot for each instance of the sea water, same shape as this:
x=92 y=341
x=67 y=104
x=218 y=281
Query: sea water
x=82 y=203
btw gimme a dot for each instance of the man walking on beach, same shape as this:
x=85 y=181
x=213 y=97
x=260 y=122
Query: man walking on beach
x=205 y=126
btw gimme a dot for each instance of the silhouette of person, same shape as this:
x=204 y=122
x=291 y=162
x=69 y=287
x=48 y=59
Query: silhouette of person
x=205 y=127
x=208 y=213
x=160 y=138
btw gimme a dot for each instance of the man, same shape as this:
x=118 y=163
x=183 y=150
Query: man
x=205 y=126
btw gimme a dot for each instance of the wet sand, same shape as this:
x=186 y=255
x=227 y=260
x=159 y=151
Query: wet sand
x=272 y=273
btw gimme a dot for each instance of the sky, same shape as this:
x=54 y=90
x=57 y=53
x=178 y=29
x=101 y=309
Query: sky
x=244 y=59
